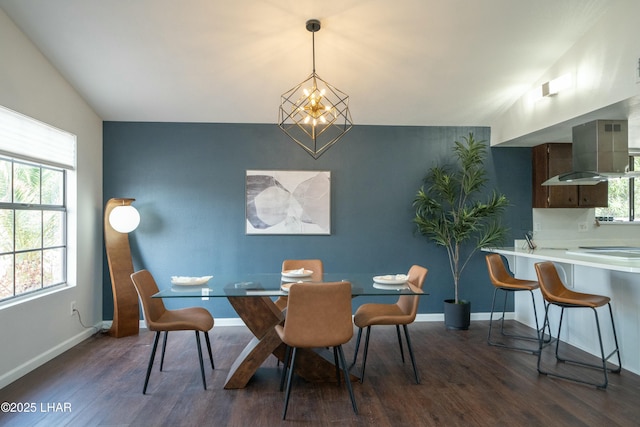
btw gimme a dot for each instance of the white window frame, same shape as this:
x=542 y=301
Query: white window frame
x=25 y=139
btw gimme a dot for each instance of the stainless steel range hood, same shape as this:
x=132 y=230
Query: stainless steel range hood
x=600 y=152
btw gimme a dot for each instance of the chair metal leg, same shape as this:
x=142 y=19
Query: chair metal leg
x=615 y=339
x=204 y=381
x=602 y=367
x=504 y=309
x=413 y=359
x=151 y=358
x=546 y=326
x=493 y=304
x=335 y=361
x=355 y=353
x=366 y=351
x=288 y=392
x=164 y=347
x=285 y=366
x=206 y=337
x=538 y=336
x=559 y=329
x=400 y=342
x=346 y=380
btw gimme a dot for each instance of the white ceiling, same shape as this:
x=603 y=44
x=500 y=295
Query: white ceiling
x=403 y=62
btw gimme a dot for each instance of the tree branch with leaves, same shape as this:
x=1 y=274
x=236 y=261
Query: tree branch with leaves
x=449 y=209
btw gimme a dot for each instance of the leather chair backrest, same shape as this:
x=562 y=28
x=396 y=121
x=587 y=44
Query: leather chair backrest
x=497 y=271
x=318 y=315
x=409 y=303
x=146 y=286
x=550 y=283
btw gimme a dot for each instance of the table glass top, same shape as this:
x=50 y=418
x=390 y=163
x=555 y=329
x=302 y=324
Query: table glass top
x=271 y=284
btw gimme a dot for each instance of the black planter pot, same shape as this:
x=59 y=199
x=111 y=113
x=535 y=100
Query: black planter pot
x=457 y=316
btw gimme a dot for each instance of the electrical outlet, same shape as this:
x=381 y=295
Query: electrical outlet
x=537 y=227
x=582 y=227
x=73 y=308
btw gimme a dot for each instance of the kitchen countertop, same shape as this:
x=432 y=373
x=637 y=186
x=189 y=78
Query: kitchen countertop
x=574 y=257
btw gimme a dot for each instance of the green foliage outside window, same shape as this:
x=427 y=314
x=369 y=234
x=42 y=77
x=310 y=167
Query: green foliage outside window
x=620 y=198
x=32 y=224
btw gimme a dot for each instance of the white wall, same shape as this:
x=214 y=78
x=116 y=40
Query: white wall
x=604 y=69
x=561 y=228
x=39 y=329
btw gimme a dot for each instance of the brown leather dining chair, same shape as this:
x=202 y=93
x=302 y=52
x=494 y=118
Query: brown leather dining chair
x=403 y=312
x=505 y=282
x=159 y=319
x=555 y=293
x=318 y=315
x=314 y=265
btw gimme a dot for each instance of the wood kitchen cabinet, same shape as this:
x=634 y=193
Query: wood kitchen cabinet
x=552 y=159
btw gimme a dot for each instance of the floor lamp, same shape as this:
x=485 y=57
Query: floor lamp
x=120 y=218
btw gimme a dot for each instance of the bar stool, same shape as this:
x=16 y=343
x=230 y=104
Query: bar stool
x=503 y=281
x=555 y=293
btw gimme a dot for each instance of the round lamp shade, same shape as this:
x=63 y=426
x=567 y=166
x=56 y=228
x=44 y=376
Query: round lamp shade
x=124 y=219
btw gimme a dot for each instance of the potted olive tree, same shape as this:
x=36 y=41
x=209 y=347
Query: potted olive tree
x=454 y=211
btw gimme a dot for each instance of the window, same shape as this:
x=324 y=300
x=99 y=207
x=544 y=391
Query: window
x=35 y=160
x=624 y=197
x=32 y=225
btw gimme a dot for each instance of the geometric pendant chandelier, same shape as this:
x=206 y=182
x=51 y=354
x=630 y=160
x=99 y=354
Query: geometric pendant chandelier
x=314 y=114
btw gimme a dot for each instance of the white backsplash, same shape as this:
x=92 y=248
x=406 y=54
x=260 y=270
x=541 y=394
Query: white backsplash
x=570 y=228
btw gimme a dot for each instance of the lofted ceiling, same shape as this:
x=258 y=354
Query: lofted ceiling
x=407 y=62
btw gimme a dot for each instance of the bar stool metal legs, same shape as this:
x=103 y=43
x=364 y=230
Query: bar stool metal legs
x=602 y=366
x=540 y=332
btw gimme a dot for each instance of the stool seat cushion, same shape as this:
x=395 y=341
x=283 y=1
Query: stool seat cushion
x=513 y=283
x=568 y=296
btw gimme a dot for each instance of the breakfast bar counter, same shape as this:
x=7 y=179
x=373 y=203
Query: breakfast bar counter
x=605 y=259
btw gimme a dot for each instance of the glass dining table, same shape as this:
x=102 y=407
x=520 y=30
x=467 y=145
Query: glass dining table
x=251 y=297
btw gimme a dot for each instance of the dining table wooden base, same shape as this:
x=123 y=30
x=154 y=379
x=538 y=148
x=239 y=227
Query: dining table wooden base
x=260 y=315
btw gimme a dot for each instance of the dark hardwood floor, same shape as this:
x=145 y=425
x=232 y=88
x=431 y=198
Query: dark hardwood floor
x=465 y=382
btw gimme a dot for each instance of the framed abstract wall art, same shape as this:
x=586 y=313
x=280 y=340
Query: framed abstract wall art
x=288 y=202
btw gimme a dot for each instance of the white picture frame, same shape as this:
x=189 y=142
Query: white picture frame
x=288 y=202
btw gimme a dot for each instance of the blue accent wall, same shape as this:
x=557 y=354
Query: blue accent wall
x=188 y=180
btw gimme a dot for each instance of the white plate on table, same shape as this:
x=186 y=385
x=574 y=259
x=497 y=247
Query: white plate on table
x=391 y=279
x=399 y=287
x=189 y=281
x=297 y=273
x=190 y=288
x=285 y=286
x=296 y=279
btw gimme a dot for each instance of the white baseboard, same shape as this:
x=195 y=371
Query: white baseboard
x=439 y=317
x=43 y=358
